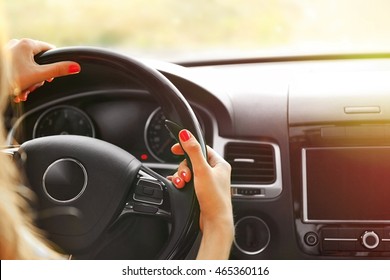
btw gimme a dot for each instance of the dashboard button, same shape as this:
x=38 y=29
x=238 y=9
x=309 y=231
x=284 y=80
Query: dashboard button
x=311 y=238
x=149 y=192
x=145 y=209
x=370 y=240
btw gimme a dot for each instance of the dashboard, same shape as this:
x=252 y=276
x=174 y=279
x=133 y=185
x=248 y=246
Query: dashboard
x=131 y=120
x=308 y=139
x=141 y=118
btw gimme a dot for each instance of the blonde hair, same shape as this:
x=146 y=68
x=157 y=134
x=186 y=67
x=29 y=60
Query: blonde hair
x=19 y=239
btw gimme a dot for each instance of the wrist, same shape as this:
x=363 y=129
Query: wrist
x=217 y=239
x=222 y=225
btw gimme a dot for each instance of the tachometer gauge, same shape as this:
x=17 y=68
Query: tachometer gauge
x=63 y=120
x=158 y=140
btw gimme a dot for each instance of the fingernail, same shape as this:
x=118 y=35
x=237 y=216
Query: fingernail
x=184 y=135
x=177 y=181
x=24 y=95
x=74 y=68
x=183 y=175
x=50 y=80
x=17 y=99
x=34 y=88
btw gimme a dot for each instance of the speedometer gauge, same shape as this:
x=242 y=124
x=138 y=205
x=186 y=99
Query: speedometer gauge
x=158 y=140
x=63 y=120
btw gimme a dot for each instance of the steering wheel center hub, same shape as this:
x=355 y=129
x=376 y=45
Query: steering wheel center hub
x=65 y=180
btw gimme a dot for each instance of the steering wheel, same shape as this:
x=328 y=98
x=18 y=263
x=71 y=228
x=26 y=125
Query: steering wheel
x=85 y=186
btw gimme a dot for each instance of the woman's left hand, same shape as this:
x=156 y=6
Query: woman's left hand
x=26 y=75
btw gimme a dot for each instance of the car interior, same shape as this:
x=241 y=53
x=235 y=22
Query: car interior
x=309 y=172
x=307 y=137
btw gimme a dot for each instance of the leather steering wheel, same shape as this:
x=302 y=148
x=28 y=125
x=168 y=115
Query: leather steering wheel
x=85 y=186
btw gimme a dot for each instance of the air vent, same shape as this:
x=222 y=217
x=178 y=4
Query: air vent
x=252 y=163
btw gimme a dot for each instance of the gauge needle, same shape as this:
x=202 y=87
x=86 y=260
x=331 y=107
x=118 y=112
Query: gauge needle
x=164 y=145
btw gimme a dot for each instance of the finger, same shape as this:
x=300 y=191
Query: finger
x=192 y=147
x=34 y=87
x=58 y=69
x=177 y=149
x=40 y=46
x=30 y=44
x=170 y=177
x=17 y=99
x=22 y=97
x=12 y=43
x=178 y=182
x=184 y=172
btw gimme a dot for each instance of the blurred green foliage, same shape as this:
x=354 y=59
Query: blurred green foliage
x=170 y=27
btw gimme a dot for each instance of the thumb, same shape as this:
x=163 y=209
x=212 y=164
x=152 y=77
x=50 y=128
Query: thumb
x=192 y=147
x=58 y=69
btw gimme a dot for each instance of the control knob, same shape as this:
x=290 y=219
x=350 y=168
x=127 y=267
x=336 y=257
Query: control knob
x=370 y=239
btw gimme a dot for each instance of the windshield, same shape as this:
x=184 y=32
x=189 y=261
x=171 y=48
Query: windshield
x=208 y=29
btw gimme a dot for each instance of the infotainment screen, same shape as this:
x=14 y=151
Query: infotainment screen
x=346 y=185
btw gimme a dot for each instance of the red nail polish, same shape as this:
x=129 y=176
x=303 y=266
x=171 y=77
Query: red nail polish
x=73 y=69
x=177 y=181
x=183 y=175
x=23 y=96
x=184 y=135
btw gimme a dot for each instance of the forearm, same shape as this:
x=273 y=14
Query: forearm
x=216 y=242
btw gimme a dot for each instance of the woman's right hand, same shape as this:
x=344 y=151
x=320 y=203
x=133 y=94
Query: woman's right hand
x=212 y=188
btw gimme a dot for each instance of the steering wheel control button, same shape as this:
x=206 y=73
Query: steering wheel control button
x=146 y=209
x=148 y=191
x=65 y=180
x=370 y=240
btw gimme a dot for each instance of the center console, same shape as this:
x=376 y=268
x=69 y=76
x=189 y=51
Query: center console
x=339 y=133
x=341 y=189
